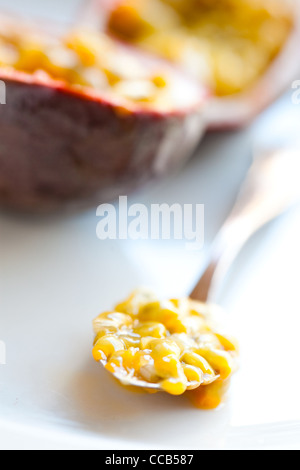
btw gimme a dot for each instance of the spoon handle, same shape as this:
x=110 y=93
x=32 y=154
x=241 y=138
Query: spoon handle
x=261 y=199
x=231 y=239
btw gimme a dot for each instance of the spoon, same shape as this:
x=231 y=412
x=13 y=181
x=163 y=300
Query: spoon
x=270 y=188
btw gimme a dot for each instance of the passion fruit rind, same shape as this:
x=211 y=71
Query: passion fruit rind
x=79 y=128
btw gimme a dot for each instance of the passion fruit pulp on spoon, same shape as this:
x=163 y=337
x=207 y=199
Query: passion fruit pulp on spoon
x=171 y=346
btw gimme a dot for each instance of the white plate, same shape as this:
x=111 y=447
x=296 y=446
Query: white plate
x=56 y=276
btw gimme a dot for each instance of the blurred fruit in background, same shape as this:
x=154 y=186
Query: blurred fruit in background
x=88 y=118
x=228 y=44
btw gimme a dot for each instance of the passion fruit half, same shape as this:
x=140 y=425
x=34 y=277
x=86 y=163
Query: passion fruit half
x=87 y=118
x=228 y=43
x=232 y=46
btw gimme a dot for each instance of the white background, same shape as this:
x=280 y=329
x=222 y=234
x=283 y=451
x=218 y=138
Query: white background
x=56 y=276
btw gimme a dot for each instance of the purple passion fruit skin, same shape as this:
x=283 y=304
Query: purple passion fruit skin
x=66 y=142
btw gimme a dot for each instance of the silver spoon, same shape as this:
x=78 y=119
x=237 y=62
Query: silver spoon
x=271 y=187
